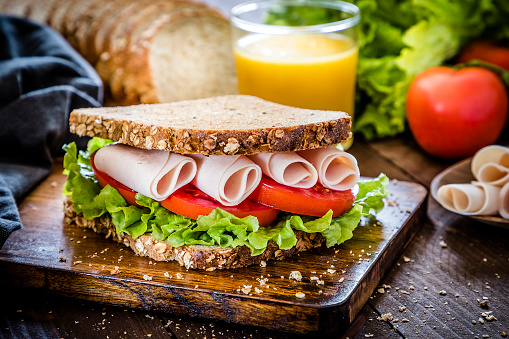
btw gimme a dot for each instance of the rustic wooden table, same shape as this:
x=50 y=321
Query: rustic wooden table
x=450 y=282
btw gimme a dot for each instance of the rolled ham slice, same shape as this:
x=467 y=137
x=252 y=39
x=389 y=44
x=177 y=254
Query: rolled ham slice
x=503 y=203
x=229 y=179
x=491 y=165
x=475 y=198
x=287 y=168
x=153 y=173
x=336 y=169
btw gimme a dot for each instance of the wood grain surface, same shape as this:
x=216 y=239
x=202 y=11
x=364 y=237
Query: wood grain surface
x=466 y=259
x=336 y=282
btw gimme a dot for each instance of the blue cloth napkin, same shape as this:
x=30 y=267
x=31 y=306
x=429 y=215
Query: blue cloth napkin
x=42 y=79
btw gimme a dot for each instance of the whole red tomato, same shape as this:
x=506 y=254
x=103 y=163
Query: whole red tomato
x=487 y=51
x=455 y=112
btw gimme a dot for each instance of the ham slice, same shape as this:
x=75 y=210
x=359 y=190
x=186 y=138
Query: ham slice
x=336 y=169
x=503 y=203
x=476 y=198
x=229 y=179
x=287 y=168
x=491 y=165
x=153 y=173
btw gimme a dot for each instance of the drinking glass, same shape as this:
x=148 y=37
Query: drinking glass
x=299 y=64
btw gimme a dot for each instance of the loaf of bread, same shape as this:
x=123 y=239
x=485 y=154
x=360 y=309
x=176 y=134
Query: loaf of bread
x=145 y=51
x=231 y=124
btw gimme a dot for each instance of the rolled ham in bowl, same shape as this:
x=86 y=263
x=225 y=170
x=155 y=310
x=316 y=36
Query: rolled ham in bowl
x=491 y=165
x=503 y=207
x=153 y=173
x=475 y=198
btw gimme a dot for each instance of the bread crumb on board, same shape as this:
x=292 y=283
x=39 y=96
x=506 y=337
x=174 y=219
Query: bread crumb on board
x=385 y=317
x=246 y=289
x=296 y=275
x=488 y=315
x=300 y=295
x=407 y=259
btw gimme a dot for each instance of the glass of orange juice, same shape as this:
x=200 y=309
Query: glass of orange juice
x=299 y=64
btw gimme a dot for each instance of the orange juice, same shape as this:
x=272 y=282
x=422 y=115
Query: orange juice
x=314 y=71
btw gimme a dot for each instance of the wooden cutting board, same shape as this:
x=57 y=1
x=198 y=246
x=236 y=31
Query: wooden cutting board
x=335 y=283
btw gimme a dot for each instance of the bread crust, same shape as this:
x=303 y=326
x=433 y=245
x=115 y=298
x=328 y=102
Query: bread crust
x=208 y=258
x=231 y=125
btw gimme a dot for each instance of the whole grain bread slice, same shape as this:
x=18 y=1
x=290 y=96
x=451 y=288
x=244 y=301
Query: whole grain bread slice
x=59 y=14
x=207 y=258
x=77 y=16
x=175 y=55
x=232 y=124
x=16 y=8
x=78 y=31
x=125 y=41
x=123 y=11
x=40 y=10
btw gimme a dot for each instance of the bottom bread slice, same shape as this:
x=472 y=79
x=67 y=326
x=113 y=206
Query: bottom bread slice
x=202 y=257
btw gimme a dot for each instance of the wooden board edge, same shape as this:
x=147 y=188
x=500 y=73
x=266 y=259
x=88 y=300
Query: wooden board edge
x=392 y=252
x=336 y=319
x=161 y=298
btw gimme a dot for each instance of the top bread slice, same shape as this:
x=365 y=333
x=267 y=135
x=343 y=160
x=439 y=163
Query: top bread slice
x=232 y=124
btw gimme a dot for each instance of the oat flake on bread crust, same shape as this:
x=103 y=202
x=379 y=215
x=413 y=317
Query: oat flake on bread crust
x=234 y=124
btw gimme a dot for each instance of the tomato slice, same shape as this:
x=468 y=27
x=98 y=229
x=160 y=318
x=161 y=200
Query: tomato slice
x=190 y=202
x=315 y=201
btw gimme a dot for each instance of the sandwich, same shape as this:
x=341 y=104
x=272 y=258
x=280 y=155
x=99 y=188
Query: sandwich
x=217 y=183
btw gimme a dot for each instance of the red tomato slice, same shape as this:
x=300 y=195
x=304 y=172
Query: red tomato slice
x=315 y=201
x=190 y=202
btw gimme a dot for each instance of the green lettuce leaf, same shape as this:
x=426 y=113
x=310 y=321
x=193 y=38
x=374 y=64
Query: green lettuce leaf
x=371 y=194
x=219 y=228
x=341 y=229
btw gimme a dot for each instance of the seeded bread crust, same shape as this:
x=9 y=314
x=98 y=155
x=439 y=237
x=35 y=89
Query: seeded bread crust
x=208 y=258
x=234 y=124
